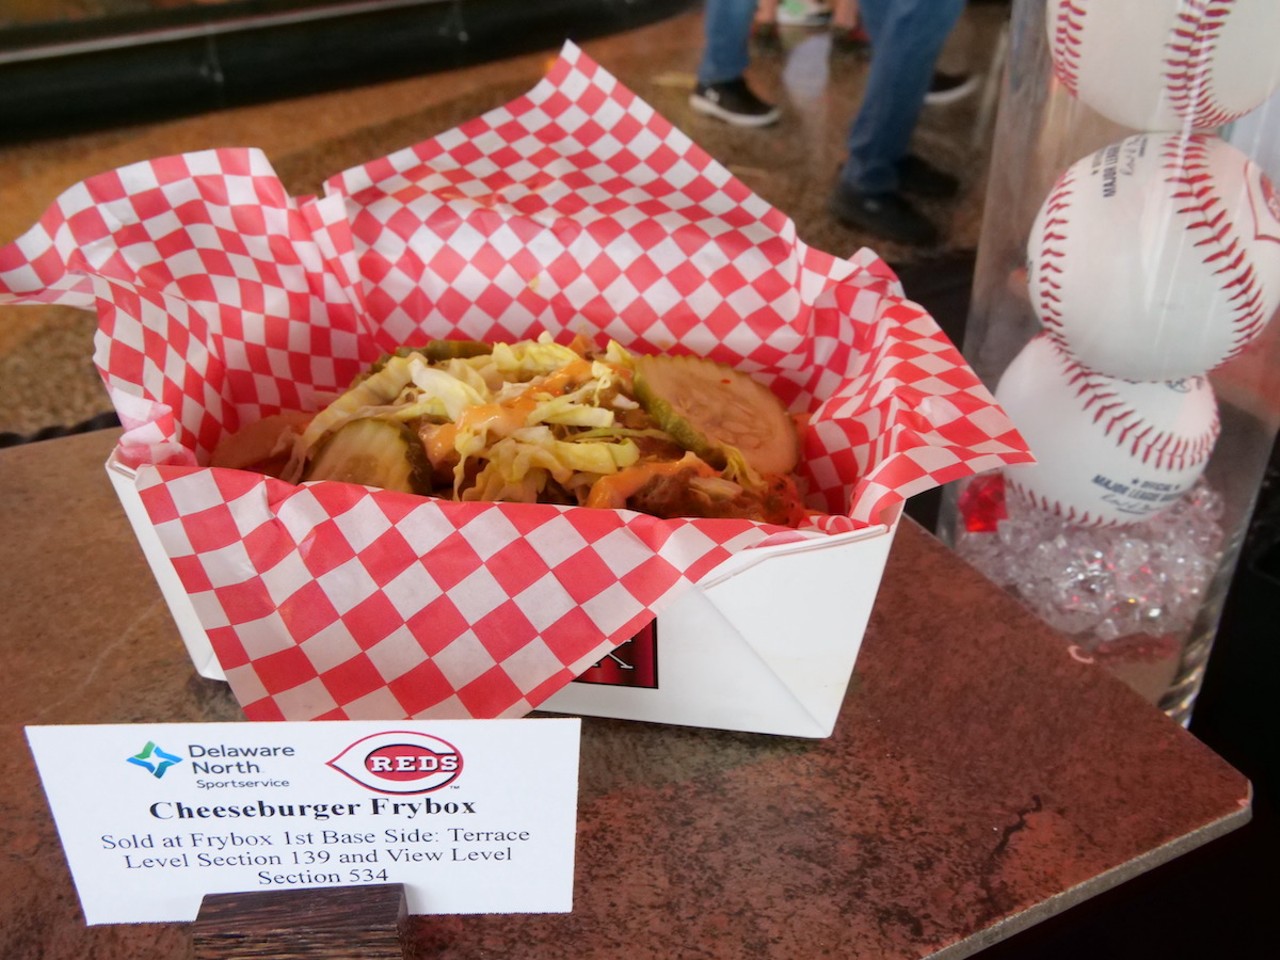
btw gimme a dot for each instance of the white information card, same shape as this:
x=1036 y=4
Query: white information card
x=472 y=816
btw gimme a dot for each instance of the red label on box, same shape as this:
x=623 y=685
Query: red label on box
x=632 y=664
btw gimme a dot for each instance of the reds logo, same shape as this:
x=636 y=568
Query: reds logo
x=400 y=761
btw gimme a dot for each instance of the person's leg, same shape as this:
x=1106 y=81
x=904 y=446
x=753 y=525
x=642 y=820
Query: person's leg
x=727 y=32
x=906 y=38
x=845 y=14
x=722 y=91
x=847 y=33
x=764 y=30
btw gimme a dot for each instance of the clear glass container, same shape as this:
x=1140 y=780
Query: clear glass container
x=1128 y=270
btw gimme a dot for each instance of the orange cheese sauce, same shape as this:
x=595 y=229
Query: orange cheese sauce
x=612 y=492
x=500 y=419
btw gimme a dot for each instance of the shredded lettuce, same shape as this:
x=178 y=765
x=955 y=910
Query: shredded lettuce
x=445 y=394
x=530 y=358
x=575 y=409
x=508 y=422
x=522 y=463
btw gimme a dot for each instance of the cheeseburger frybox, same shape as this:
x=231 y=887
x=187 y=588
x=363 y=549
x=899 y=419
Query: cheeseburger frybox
x=573 y=212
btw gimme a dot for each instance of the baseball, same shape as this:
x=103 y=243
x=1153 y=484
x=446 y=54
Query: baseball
x=1166 y=64
x=1108 y=451
x=1157 y=257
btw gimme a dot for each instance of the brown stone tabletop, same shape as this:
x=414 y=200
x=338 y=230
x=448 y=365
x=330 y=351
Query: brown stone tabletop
x=979 y=779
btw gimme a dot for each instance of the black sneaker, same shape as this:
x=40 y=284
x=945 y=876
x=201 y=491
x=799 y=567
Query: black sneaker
x=921 y=178
x=949 y=87
x=886 y=215
x=733 y=102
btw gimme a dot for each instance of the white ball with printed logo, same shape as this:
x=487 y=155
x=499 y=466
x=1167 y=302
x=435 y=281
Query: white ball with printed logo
x=1166 y=64
x=1157 y=257
x=1108 y=451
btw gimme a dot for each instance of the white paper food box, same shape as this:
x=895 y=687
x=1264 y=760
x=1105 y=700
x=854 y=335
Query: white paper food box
x=766 y=643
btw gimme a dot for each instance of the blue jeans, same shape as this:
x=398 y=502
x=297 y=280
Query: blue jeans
x=727 y=31
x=906 y=38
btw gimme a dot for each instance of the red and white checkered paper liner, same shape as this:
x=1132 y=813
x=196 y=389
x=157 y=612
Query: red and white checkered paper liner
x=575 y=208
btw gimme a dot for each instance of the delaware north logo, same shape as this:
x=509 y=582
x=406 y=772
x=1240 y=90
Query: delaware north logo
x=154 y=760
x=400 y=761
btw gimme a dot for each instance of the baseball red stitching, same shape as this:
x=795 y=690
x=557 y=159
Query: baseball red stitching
x=1068 y=514
x=1052 y=233
x=1186 y=163
x=1188 y=63
x=1067 y=27
x=1160 y=449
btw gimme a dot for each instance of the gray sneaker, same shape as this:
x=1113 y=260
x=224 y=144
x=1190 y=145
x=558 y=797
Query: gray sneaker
x=733 y=102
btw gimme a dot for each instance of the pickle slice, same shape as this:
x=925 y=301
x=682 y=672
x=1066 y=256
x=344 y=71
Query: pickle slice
x=376 y=453
x=707 y=406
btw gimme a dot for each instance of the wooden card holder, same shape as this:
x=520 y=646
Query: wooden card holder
x=365 y=922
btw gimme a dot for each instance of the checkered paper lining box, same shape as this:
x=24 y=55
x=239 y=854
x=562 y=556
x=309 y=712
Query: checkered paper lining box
x=573 y=209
